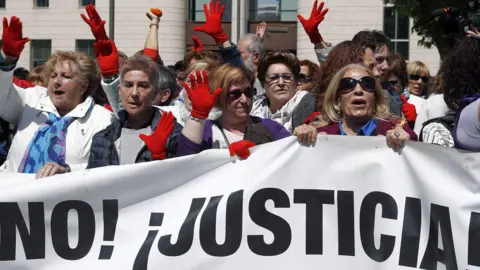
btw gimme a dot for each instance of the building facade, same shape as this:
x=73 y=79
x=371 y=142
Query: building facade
x=56 y=25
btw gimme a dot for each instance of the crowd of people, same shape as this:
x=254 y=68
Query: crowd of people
x=75 y=113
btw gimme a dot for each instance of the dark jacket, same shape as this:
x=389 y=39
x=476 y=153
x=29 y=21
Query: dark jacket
x=231 y=55
x=259 y=131
x=382 y=128
x=103 y=151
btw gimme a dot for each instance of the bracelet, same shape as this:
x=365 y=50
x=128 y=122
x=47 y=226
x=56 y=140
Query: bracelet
x=198 y=120
x=66 y=167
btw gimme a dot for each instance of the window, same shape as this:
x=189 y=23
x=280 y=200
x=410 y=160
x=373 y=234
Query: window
x=40 y=51
x=41 y=3
x=397 y=27
x=85 y=45
x=273 y=10
x=86 y=2
x=196 y=10
x=2 y=3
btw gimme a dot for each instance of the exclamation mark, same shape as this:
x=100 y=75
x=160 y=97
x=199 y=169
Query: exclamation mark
x=110 y=217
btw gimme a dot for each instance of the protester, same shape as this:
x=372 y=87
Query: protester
x=55 y=124
x=467 y=133
x=235 y=129
x=418 y=77
x=140 y=134
x=279 y=73
x=354 y=105
x=37 y=76
x=307 y=70
x=460 y=81
x=252 y=49
x=21 y=73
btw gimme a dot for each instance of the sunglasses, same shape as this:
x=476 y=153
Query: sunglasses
x=347 y=85
x=237 y=93
x=392 y=82
x=304 y=78
x=416 y=77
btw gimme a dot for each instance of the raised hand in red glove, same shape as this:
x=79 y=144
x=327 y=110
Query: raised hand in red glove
x=157 y=142
x=197 y=44
x=241 y=148
x=311 y=25
x=200 y=97
x=213 y=25
x=408 y=110
x=13 y=41
x=107 y=57
x=97 y=25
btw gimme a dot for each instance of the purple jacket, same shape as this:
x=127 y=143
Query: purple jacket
x=186 y=147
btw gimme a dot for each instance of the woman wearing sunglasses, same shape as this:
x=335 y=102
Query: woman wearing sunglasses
x=418 y=78
x=235 y=129
x=355 y=106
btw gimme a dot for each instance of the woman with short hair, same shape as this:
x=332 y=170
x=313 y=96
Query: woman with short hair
x=55 y=124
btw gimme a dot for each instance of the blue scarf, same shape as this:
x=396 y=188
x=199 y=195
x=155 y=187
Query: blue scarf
x=367 y=130
x=48 y=144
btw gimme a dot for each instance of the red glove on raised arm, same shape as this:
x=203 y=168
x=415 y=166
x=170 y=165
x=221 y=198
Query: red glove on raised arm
x=311 y=25
x=97 y=25
x=408 y=110
x=241 y=148
x=197 y=44
x=213 y=25
x=107 y=57
x=13 y=41
x=200 y=97
x=157 y=142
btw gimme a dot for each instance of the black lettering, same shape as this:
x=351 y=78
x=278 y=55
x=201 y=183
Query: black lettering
x=474 y=239
x=346 y=223
x=141 y=261
x=314 y=201
x=86 y=229
x=33 y=242
x=185 y=234
x=278 y=226
x=412 y=225
x=367 y=225
x=233 y=229
x=440 y=217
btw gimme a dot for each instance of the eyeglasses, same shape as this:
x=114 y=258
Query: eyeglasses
x=273 y=78
x=416 y=77
x=347 y=85
x=304 y=78
x=237 y=93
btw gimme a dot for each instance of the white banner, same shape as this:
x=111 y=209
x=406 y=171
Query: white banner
x=347 y=203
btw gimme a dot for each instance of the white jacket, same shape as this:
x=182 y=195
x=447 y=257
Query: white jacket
x=29 y=108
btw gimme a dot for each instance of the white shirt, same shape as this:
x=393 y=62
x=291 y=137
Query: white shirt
x=218 y=140
x=29 y=108
x=417 y=102
x=433 y=107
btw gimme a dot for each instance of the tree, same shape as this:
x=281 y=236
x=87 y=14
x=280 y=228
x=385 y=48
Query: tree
x=425 y=24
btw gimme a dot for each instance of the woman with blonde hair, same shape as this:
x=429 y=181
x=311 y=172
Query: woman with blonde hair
x=55 y=124
x=235 y=129
x=355 y=105
x=418 y=78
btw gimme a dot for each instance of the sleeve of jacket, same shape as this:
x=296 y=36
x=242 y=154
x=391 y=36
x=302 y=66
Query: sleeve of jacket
x=468 y=128
x=323 y=53
x=111 y=91
x=12 y=98
x=303 y=110
x=172 y=143
x=231 y=55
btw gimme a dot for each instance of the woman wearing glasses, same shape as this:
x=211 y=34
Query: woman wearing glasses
x=307 y=70
x=355 y=106
x=235 y=125
x=418 y=78
x=279 y=74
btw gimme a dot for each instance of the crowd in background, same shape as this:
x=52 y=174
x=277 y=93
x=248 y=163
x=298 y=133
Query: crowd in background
x=75 y=113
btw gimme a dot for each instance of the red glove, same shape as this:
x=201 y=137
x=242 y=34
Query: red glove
x=311 y=25
x=107 y=57
x=240 y=149
x=213 y=25
x=13 y=41
x=311 y=117
x=156 y=142
x=197 y=44
x=97 y=25
x=200 y=97
x=408 y=110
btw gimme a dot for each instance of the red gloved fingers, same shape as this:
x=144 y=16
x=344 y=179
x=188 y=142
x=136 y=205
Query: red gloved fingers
x=166 y=124
x=13 y=41
x=241 y=148
x=403 y=99
x=197 y=44
x=107 y=57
